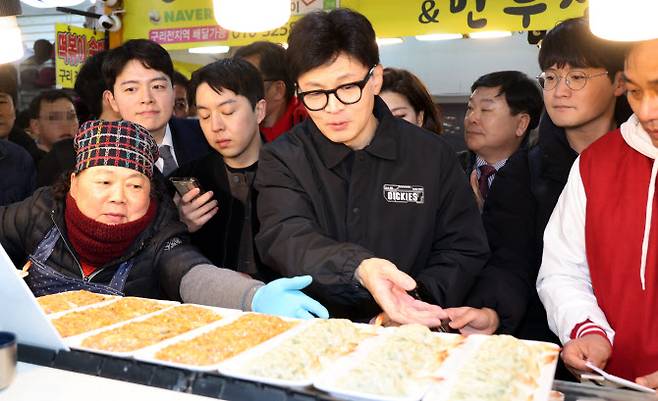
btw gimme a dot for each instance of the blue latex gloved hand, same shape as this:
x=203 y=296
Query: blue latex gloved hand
x=283 y=297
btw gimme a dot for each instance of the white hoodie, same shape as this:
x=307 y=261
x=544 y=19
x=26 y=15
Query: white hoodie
x=564 y=284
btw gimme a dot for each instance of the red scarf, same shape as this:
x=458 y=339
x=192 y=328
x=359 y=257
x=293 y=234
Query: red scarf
x=97 y=243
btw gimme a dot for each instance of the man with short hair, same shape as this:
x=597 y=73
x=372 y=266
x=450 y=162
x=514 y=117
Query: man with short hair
x=283 y=108
x=598 y=273
x=581 y=82
x=90 y=87
x=139 y=77
x=52 y=118
x=368 y=204
x=502 y=109
x=229 y=98
x=181 y=105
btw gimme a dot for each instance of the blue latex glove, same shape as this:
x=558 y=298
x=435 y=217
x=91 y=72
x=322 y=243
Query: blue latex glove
x=283 y=297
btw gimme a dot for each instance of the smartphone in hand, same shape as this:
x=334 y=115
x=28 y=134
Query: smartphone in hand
x=185 y=184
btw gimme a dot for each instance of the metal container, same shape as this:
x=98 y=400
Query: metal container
x=7 y=358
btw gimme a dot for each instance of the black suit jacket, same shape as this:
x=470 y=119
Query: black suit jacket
x=189 y=142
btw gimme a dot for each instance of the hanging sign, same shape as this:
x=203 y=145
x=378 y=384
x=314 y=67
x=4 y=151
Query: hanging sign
x=191 y=23
x=73 y=45
x=393 y=18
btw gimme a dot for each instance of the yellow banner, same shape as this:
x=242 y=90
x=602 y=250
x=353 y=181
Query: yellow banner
x=73 y=45
x=181 y=25
x=394 y=18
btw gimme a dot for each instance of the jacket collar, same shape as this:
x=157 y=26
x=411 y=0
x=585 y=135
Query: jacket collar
x=384 y=143
x=557 y=154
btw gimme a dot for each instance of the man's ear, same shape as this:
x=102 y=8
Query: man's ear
x=260 y=109
x=522 y=126
x=73 y=188
x=107 y=94
x=377 y=79
x=35 y=127
x=618 y=84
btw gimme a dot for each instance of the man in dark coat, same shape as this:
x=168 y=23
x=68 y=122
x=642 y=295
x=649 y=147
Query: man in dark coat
x=229 y=98
x=368 y=204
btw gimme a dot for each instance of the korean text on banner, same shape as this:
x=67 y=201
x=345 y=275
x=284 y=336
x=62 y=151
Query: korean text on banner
x=73 y=45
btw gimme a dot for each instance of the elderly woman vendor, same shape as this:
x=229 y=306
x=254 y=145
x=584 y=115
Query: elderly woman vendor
x=107 y=230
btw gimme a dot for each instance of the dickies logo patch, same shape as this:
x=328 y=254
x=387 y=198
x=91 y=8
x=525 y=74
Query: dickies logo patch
x=395 y=193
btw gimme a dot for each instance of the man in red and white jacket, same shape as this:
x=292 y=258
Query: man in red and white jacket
x=599 y=275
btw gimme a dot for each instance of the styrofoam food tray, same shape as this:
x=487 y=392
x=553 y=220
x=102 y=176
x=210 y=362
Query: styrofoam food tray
x=76 y=341
x=148 y=354
x=235 y=367
x=441 y=391
x=329 y=380
x=101 y=305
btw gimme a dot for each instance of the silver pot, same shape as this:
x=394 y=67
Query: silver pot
x=7 y=358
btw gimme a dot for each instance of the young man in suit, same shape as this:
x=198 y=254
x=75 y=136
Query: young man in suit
x=139 y=77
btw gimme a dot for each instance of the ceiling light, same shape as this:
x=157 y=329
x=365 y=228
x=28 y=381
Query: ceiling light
x=629 y=20
x=489 y=34
x=251 y=15
x=12 y=43
x=439 y=36
x=209 y=50
x=389 y=41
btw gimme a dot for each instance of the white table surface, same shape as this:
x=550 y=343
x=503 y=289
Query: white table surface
x=34 y=382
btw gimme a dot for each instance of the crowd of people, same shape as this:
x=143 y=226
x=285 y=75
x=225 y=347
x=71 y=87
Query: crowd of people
x=315 y=168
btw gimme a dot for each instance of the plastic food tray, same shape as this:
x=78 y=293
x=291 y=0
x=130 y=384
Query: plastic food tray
x=76 y=341
x=148 y=354
x=451 y=368
x=330 y=379
x=100 y=305
x=236 y=367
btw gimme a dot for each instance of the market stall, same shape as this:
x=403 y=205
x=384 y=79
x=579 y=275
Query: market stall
x=232 y=355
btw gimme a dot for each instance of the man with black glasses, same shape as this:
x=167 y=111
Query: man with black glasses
x=369 y=205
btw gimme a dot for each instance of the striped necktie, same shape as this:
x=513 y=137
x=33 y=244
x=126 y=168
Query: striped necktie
x=169 y=164
x=486 y=171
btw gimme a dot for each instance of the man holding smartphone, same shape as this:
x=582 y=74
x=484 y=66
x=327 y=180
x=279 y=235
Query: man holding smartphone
x=229 y=97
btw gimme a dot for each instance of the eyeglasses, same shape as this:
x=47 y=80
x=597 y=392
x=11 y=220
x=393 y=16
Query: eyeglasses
x=575 y=79
x=60 y=116
x=349 y=93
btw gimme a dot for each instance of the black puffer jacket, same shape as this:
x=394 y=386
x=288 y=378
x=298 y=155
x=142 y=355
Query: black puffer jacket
x=162 y=254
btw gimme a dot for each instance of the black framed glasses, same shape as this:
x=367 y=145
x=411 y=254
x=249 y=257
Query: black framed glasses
x=575 y=79
x=349 y=93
